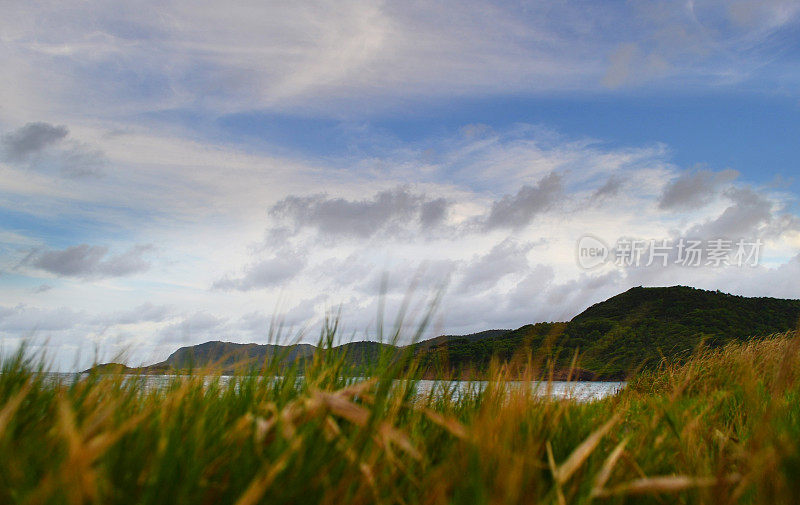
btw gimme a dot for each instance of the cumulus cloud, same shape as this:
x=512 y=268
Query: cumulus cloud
x=494 y=283
x=389 y=211
x=483 y=272
x=45 y=146
x=257 y=322
x=303 y=312
x=281 y=327
x=195 y=327
x=538 y=295
x=692 y=190
x=610 y=188
x=90 y=262
x=433 y=213
x=81 y=160
x=425 y=276
x=144 y=313
x=517 y=211
x=541 y=296
x=747 y=215
x=23 y=320
x=265 y=273
x=30 y=139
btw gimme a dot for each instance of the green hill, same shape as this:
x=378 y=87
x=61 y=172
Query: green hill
x=634 y=329
x=613 y=338
x=640 y=324
x=228 y=355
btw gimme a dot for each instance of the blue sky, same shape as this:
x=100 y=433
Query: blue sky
x=172 y=173
x=753 y=133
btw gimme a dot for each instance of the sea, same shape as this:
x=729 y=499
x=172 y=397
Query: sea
x=581 y=391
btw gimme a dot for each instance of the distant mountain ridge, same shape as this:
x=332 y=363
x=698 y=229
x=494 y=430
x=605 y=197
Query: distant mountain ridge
x=229 y=354
x=630 y=330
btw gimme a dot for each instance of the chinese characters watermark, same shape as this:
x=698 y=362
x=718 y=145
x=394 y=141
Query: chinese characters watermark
x=593 y=252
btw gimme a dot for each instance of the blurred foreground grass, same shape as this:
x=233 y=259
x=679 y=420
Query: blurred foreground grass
x=723 y=427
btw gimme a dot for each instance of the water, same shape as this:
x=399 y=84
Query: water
x=562 y=390
x=574 y=390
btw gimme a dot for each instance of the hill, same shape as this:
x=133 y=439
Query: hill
x=472 y=337
x=631 y=330
x=230 y=357
x=635 y=329
x=227 y=355
x=641 y=323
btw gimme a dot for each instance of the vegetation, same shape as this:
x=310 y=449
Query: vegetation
x=630 y=331
x=720 y=427
x=614 y=338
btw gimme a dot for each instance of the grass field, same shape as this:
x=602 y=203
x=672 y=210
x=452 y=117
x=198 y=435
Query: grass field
x=723 y=427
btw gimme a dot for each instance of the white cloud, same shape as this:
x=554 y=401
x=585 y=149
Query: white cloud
x=119 y=59
x=45 y=147
x=30 y=139
x=484 y=272
x=390 y=211
x=748 y=214
x=694 y=189
x=517 y=211
x=90 y=262
x=27 y=320
x=146 y=312
x=207 y=208
x=268 y=273
x=196 y=327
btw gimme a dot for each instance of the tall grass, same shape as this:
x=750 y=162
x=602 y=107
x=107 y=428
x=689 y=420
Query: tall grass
x=722 y=428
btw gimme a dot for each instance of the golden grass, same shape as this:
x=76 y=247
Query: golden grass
x=722 y=428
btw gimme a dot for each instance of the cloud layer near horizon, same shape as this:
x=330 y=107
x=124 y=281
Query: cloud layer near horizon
x=506 y=257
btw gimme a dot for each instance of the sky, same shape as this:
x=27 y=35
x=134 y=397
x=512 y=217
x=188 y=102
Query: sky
x=176 y=172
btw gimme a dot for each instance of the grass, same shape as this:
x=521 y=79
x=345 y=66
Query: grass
x=722 y=428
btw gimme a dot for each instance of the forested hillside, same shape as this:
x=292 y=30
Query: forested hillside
x=633 y=329
x=612 y=339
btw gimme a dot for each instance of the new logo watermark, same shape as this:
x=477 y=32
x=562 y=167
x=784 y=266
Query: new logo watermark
x=593 y=252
